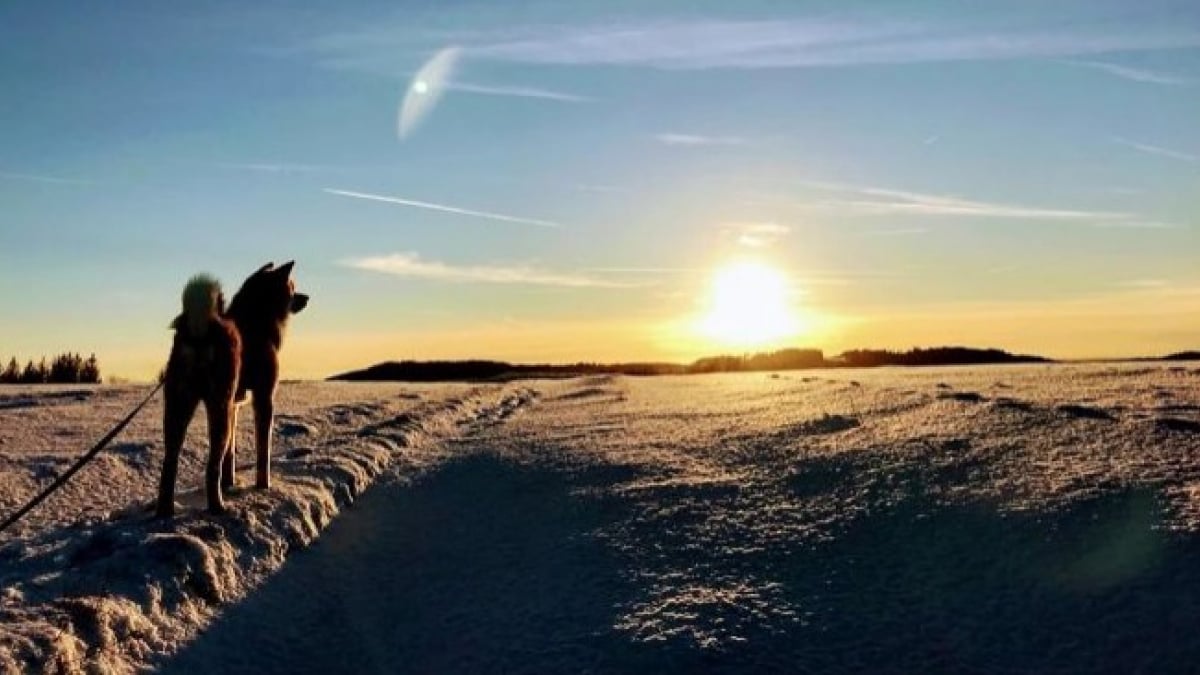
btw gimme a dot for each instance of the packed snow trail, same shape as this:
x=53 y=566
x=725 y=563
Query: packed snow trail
x=483 y=567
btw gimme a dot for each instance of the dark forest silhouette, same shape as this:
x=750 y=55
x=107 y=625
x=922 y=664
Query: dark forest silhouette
x=62 y=369
x=1193 y=355
x=784 y=359
x=934 y=356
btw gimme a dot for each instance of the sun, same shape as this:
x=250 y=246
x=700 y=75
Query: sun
x=749 y=306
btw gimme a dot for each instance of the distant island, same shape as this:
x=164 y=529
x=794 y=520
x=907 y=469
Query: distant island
x=784 y=359
x=1191 y=355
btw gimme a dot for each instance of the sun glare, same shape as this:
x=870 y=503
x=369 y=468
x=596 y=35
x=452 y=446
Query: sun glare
x=749 y=306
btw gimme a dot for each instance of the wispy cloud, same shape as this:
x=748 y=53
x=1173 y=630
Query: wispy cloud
x=813 y=277
x=278 y=167
x=1144 y=284
x=517 y=91
x=644 y=270
x=887 y=201
x=444 y=208
x=759 y=235
x=375 y=51
x=806 y=276
x=38 y=178
x=1122 y=190
x=703 y=44
x=673 y=138
x=897 y=232
x=410 y=264
x=1157 y=150
x=601 y=188
x=1138 y=225
x=1135 y=74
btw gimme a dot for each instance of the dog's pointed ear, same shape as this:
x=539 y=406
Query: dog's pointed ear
x=286 y=268
x=265 y=268
x=299 y=302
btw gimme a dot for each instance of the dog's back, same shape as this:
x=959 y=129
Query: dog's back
x=204 y=365
x=206 y=352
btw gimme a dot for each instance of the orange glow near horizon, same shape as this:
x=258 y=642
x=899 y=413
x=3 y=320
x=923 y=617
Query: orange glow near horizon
x=730 y=316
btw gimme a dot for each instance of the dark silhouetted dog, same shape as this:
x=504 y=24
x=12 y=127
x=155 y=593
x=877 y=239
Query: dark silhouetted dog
x=218 y=356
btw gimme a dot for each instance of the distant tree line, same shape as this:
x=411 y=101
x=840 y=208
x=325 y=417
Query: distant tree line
x=783 y=359
x=479 y=369
x=62 y=369
x=933 y=356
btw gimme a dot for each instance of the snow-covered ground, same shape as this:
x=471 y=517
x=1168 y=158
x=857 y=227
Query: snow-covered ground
x=996 y=519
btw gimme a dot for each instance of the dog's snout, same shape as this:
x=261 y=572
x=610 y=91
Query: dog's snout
x=299 y=302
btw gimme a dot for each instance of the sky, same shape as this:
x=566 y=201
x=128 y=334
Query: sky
x=553 y=181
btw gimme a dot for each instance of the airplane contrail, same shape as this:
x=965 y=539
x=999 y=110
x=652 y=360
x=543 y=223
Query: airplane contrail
x=442 y=207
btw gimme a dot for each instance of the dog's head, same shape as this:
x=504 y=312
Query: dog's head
x=272 y=291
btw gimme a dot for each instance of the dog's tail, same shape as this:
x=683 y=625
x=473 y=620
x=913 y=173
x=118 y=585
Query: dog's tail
x=202 y=302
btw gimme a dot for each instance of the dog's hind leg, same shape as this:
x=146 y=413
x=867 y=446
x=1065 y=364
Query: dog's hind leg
x=219 y=413
x=229 y=465
x=264 y=415
x=177 y=414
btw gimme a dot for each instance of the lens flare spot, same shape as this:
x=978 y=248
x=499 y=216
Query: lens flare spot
x=423 y=92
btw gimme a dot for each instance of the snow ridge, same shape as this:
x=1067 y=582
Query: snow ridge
x=109 y=594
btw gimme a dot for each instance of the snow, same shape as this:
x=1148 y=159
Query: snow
x=984 y=519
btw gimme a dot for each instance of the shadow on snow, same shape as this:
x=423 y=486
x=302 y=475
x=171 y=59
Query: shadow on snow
x=489 y=565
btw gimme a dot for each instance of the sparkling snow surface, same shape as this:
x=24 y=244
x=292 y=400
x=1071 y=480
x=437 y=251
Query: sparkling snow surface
x=996 y=519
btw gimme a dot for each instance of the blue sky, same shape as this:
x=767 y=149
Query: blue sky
x=1023 y=176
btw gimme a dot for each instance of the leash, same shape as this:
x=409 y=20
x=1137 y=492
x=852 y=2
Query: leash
x=66 y=475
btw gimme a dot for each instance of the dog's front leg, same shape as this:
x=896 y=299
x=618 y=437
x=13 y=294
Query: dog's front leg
x=264 y=415
x=177 y=413
x=219 y=414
